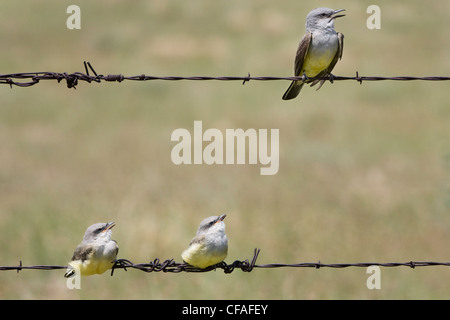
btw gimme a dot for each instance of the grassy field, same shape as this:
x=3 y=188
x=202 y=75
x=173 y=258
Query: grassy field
x=364 y=169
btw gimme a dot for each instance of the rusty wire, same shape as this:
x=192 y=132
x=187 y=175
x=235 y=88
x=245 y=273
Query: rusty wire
x=72 y=79
x=170 y=266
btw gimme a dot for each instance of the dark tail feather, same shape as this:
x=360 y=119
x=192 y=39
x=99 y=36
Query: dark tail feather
x=69 y=273
x=293 y=90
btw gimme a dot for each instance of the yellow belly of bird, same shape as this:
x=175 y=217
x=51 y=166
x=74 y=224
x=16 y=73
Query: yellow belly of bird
x=90 y=267
x=319 y=57
x=199 y=257
x=314 y=64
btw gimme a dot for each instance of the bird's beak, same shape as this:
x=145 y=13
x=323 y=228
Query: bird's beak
x=339 y=15
x=109 y=226
x=221 y=218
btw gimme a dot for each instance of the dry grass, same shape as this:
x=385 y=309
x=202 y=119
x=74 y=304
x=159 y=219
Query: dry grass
x=364 y=170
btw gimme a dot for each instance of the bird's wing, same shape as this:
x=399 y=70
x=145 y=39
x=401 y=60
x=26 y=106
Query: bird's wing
x=197 y=239
x=338 y=54
x=301 y=53
x=117 y=248
x=82 y=253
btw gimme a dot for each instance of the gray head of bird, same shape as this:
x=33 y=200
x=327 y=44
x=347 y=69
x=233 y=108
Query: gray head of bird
x=322 y=18
x=212 y=224
x=99 y=231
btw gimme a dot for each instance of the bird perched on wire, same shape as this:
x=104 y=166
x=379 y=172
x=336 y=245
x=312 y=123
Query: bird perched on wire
x=210 y=244
x=96 y=253
x=319 y=50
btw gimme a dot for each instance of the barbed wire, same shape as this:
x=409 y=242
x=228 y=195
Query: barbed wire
x=170 y=266
x=72 y=79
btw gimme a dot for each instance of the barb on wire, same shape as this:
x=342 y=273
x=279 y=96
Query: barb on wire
x=28 y=79
x=37 y=267
x=170 y=266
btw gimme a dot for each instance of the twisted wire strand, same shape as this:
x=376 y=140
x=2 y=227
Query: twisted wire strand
x=170 y=266
x=72 y=79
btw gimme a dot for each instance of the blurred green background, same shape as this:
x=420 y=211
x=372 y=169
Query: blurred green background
x=364 y=169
